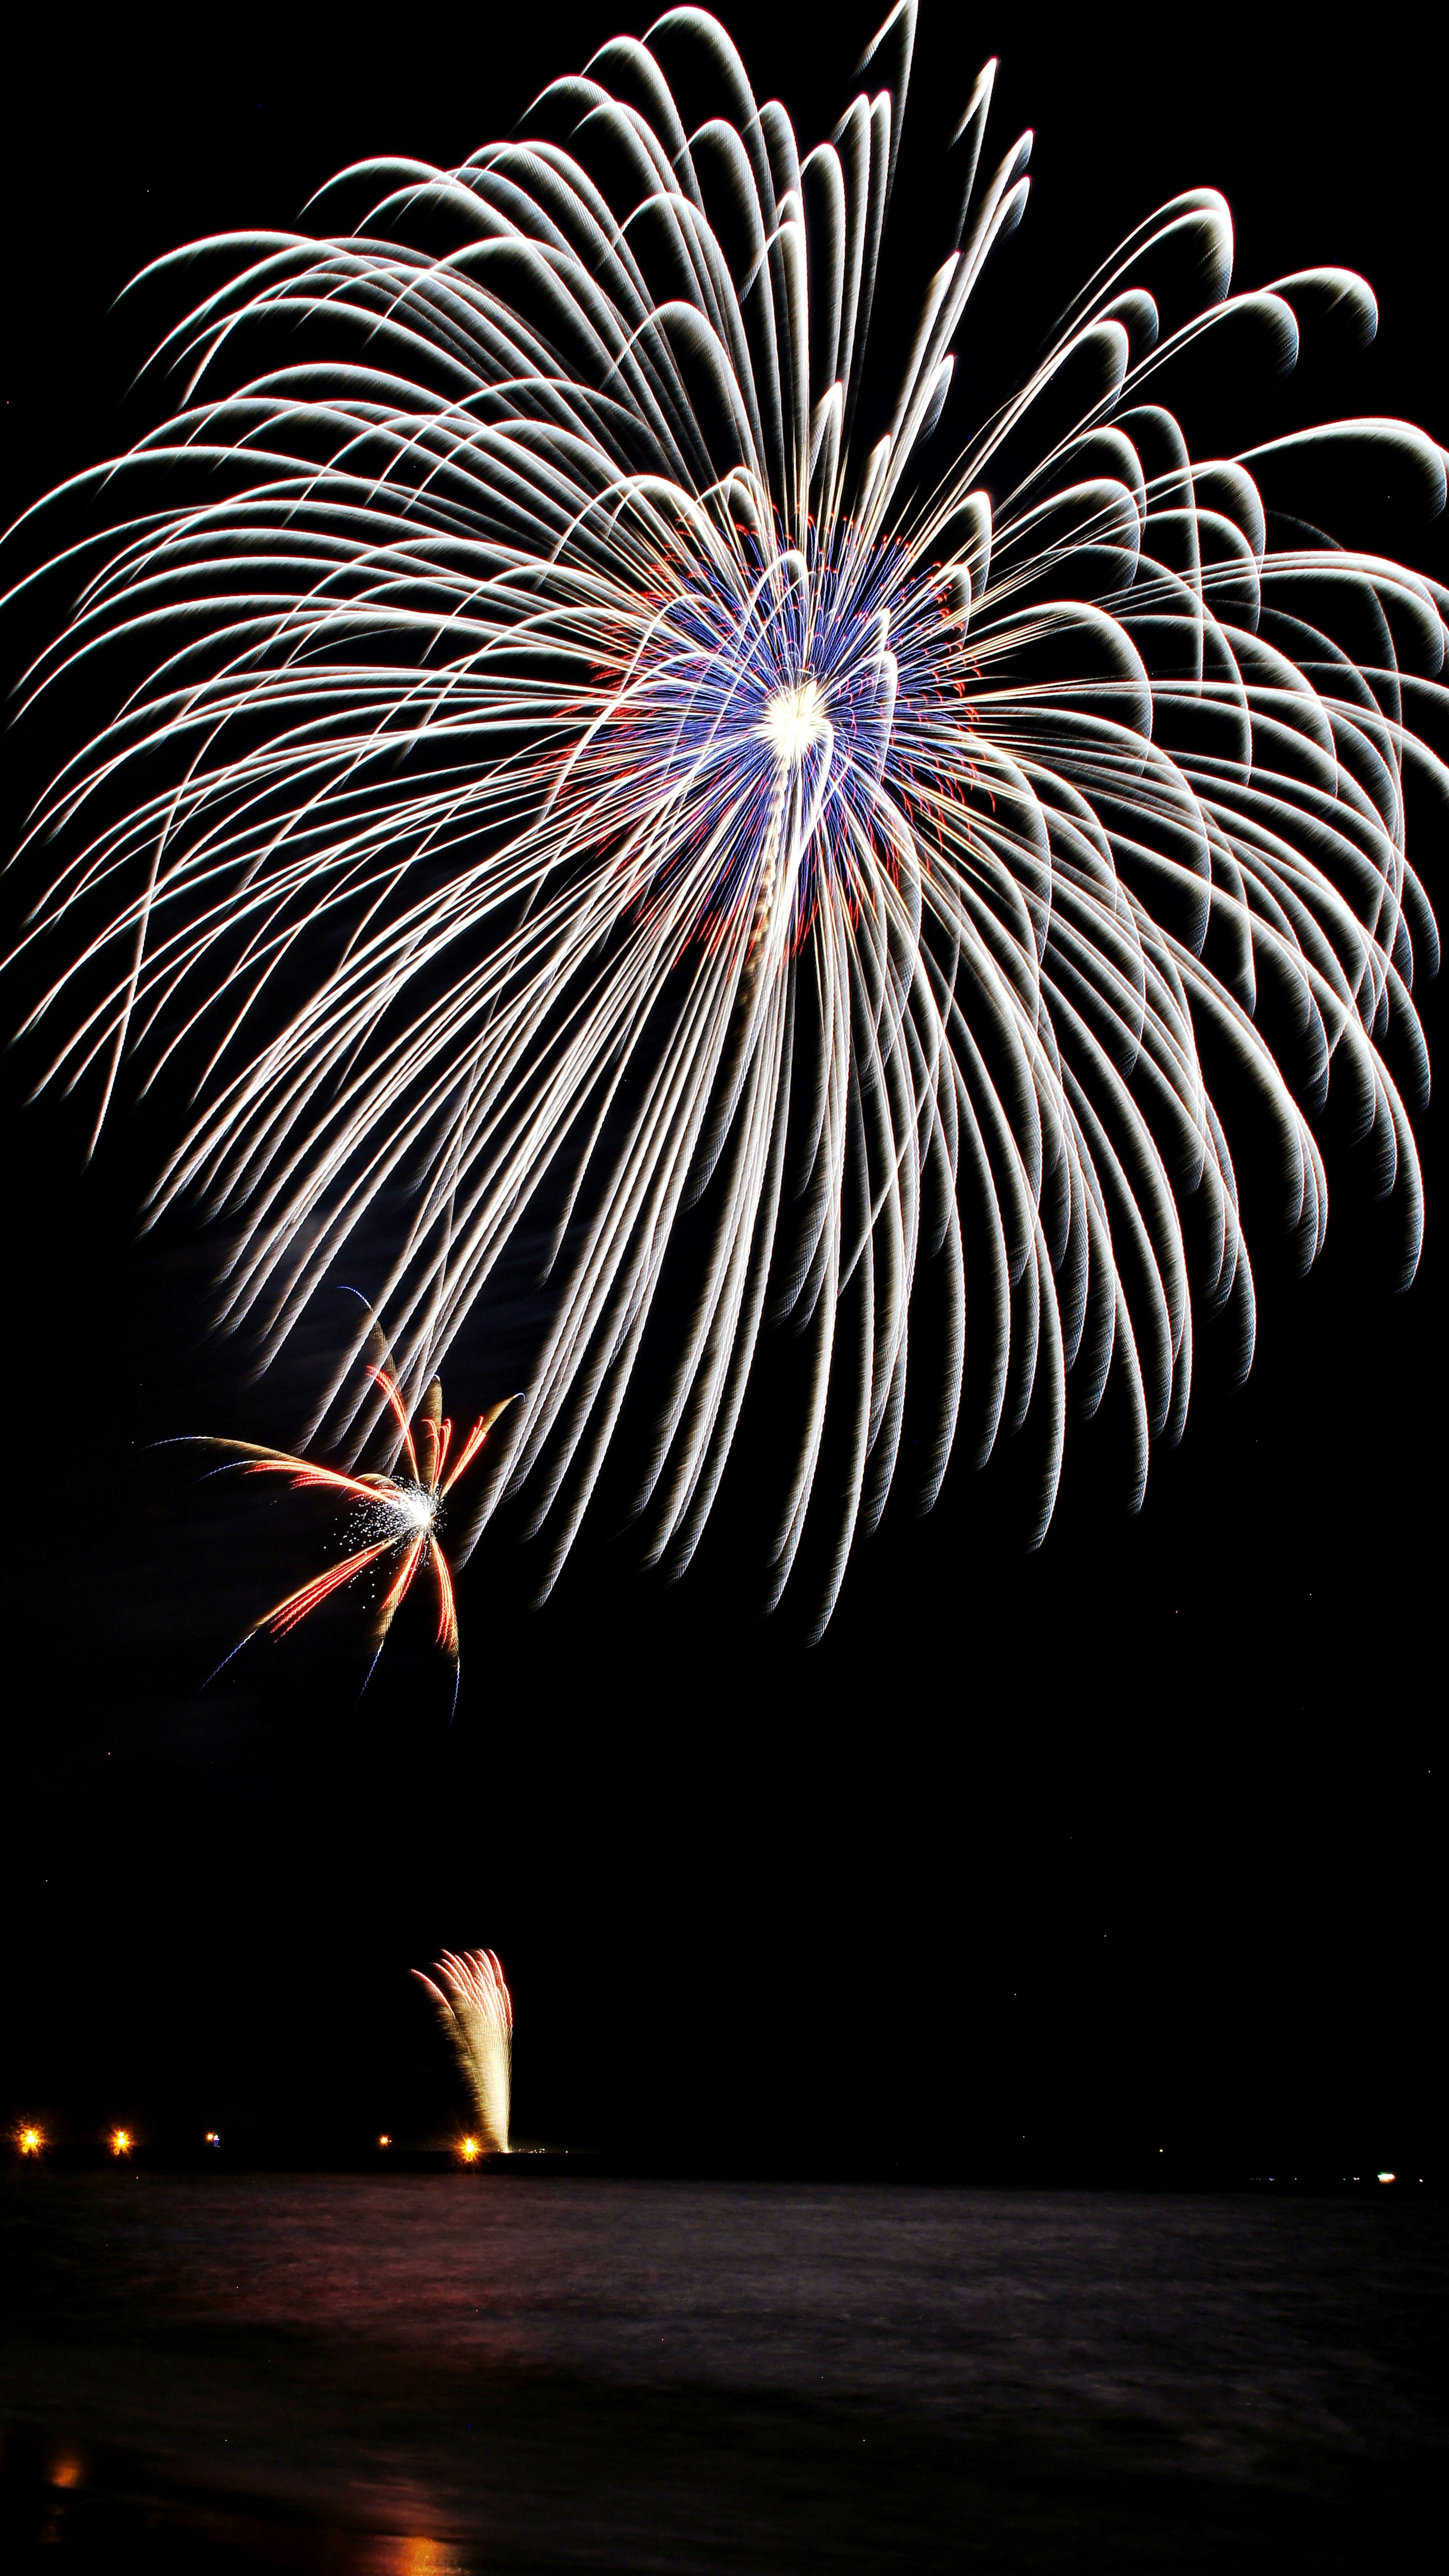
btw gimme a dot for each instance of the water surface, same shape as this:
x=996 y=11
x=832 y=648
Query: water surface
x=436 y=2375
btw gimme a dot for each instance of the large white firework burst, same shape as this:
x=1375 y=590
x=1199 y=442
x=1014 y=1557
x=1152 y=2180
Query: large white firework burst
x=577 y=803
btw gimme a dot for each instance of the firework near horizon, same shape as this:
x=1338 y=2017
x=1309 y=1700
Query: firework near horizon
x=584 y=797
x=476 y=2011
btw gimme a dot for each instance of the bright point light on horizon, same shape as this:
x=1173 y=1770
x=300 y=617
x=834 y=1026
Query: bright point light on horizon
x=120 y=2142
x=794 y=719
x=469 y=2150
x=31 y=2142
x=1388 y=2177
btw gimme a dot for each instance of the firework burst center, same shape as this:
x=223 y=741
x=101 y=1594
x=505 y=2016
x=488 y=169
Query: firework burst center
x=795 y=721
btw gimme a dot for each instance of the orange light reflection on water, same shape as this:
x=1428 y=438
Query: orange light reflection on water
x=399 y=2554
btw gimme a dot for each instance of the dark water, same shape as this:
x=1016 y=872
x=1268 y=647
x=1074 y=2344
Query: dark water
x=430 y=2376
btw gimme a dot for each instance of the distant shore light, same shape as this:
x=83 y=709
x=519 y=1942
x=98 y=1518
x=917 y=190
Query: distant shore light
x=1388 y=2177
x=120 y=2142
x=30 y=2142
x=469 y=2151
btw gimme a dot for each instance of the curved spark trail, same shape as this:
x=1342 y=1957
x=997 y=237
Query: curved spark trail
x=582 y=793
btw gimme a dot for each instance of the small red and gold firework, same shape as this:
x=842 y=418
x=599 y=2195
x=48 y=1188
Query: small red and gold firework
x=395 y=1517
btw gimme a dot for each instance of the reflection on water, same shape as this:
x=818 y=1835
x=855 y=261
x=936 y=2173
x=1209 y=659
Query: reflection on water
x=437 y=2376
x=383 y=2556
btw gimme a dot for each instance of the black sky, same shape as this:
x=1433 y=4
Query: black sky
x=1045 y=1862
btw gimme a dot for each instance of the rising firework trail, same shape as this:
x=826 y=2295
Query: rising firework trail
x=476 y=2011
x=586 y=803
x=392 y=1519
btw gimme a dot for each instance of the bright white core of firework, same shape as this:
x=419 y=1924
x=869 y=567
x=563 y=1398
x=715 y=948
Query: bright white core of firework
x=794 y=720
x=399 y=1514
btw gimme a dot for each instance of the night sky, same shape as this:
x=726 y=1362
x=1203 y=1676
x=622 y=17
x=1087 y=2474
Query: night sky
x=1121 y=1858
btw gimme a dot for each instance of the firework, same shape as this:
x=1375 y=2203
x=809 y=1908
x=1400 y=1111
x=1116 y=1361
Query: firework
x=582 y=791
x=476 y=2011
x=392 y=1520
